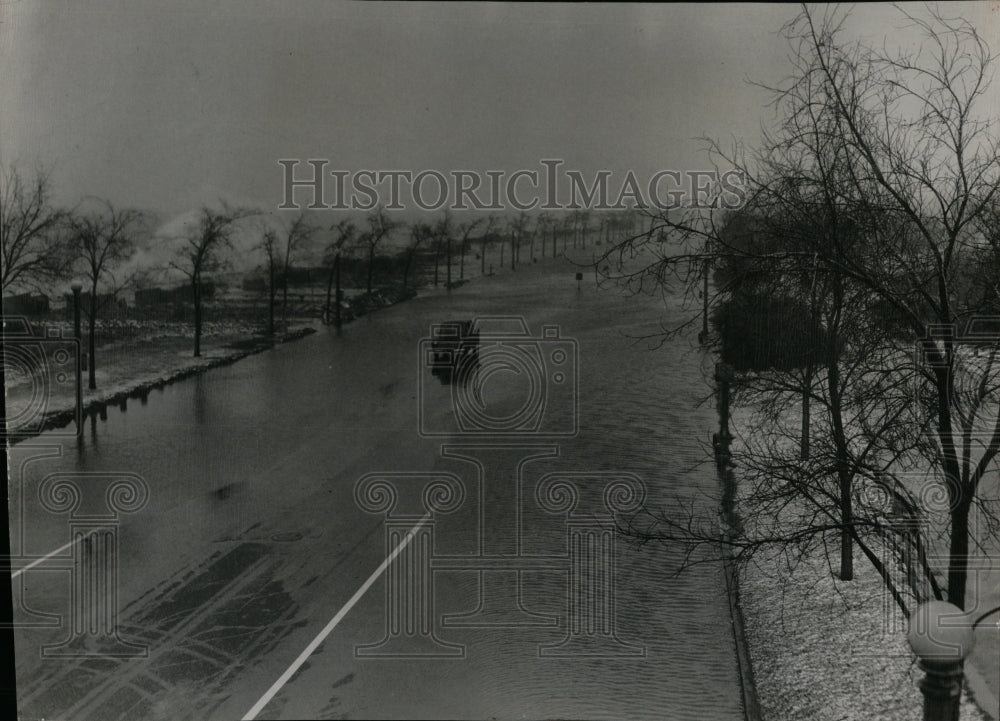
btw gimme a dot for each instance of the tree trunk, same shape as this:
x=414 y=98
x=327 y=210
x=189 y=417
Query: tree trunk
x=704 y=301
x=846 y=508
x=958 y=552
x=959 y=498
x=336 y=305
x=482 y=255
x=448 y=260
x=329 y=291
x=371 y=267
x=839 y=437
x=270 y=300
x=806 y=388
x=406 y=269
x=284 y=301
x=91 y=371
x=461 y=260
x=196 y=290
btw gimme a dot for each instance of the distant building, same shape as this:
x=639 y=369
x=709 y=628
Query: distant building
x=151 y=297
x=105 y=301
x=255 y=284
x=26 y=304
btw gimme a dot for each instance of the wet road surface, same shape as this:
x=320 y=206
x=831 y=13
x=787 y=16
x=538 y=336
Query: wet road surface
x=254 y=541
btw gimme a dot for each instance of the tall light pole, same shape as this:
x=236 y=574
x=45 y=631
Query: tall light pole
x=77 y=286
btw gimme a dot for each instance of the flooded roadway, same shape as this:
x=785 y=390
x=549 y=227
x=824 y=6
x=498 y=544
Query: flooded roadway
x=252 y=542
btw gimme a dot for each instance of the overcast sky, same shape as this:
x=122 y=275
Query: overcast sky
x=166 y=106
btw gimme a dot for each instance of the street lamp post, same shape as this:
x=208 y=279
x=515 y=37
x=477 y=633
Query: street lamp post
x=941 y=635
x=77 y=286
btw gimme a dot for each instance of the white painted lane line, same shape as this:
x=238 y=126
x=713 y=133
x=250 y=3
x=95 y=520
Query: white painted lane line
x=44 y=558
x=290 y=671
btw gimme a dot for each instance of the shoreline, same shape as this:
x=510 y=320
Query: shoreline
x=139 y=388
x=63 y=413
x=731 y=573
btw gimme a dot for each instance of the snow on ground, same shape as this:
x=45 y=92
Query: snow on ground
x=825 y=649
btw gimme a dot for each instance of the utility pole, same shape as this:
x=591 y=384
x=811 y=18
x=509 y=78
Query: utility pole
x=704 y=297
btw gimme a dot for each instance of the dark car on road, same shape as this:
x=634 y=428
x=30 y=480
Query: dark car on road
x=454 y=347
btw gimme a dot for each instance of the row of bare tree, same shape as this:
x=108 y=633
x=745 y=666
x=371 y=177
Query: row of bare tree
x=43 y=244
x=857 y=295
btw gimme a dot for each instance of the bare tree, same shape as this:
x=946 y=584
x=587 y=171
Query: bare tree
x=442 y=237
x=201 y=252
x=29 y=230
x=568 y=224
x=584 y=220
x=928 y=152
x=518 y=230
x=100 y=240
x=345 y=233
x=491 y=221
x=899 y=161
x=419 y=234
x=467 y=229
x=299 y=233
x=269 y=244
x=379 y=227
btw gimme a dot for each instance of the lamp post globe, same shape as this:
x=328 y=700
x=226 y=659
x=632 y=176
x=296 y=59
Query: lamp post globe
x=941 y=636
